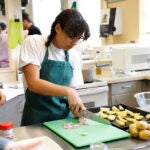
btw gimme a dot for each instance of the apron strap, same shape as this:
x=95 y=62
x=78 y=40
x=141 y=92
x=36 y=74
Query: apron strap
x=67 y=56
x=46 y=56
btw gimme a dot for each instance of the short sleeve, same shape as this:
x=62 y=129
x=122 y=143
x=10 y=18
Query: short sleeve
x=32 y=51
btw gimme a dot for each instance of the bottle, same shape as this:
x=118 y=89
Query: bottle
x=98 y=58
x=6 y=130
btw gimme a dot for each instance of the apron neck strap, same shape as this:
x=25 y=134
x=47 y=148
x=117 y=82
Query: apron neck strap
x=66 y=55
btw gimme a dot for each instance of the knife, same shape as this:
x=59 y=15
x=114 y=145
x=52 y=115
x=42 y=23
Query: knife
x=92 y=116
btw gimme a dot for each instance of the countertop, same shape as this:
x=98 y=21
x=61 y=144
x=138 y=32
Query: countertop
x=108 y=76
x=12 y=90
x=33 y=131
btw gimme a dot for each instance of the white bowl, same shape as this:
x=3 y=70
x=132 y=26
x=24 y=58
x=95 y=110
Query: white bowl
x=143 y=98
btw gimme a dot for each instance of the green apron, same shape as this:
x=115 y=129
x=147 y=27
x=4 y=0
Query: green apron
x=39 y=108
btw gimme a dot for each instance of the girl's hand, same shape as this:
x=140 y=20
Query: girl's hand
x=2 y=98
x=25 y=144
x=75 y=103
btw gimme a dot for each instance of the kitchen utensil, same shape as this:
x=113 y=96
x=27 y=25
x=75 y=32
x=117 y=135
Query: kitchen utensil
x=95 y=132
x=143 y=98
x=15 y=33
x=88 y=74
x=92 y=116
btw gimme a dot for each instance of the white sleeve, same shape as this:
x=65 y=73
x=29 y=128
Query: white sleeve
x=77 y=70
x=31 y=52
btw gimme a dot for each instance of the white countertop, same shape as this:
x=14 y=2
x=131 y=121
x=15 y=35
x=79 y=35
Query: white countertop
x=12 y=90
x=110 y=78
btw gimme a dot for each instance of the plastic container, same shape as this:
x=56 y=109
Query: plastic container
x=98 y=146
x=143 y=98
x=98 y=59
x=6 y=130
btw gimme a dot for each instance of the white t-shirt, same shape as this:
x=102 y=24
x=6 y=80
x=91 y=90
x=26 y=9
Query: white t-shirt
x=33 y=51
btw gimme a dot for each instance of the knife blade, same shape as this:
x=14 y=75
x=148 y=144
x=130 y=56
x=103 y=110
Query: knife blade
x=92 y=116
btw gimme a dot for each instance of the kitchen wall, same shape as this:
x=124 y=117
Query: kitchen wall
x=9 y=74
x=130 y=9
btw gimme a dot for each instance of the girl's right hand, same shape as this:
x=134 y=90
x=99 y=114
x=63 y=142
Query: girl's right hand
x=75 y=103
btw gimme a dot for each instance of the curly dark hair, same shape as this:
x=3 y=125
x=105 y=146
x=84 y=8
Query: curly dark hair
x=72 y=23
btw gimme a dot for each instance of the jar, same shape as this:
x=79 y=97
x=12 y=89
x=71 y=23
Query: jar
x=6 y=130
x=98 y=146
x=98 y=59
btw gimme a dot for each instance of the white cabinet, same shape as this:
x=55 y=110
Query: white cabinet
x=124 y=93
x=94 y=96
x=12 y=110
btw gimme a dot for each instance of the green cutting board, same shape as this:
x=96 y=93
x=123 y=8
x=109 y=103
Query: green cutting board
x=95 y=132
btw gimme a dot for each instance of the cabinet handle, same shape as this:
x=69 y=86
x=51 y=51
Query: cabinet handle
x=126 y=86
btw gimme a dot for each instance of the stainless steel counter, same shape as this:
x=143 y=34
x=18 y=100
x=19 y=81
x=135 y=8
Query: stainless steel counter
x=33 y=131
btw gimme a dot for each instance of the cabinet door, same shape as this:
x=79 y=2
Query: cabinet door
x=145 y=85
x=126 y=99
x=148 y=86
x=12 y=110
x=126 y=87
x=124 y=93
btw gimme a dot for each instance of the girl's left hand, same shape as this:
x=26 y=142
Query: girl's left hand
x=2 y=98
x=25 y=144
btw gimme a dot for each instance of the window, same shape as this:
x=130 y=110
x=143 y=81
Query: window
x=44 y=13
x=90 y=10
x=144 y=21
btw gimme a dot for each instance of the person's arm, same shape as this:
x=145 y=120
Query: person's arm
x=40 y=86
x=2 y=98
x=6 y=144
x=3 y=143
x=24 y=144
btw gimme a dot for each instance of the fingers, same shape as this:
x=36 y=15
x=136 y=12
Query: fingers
x=24 y=145
x=75 y=103
x=32 y=144
x=2 y=98
x=76 y=109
